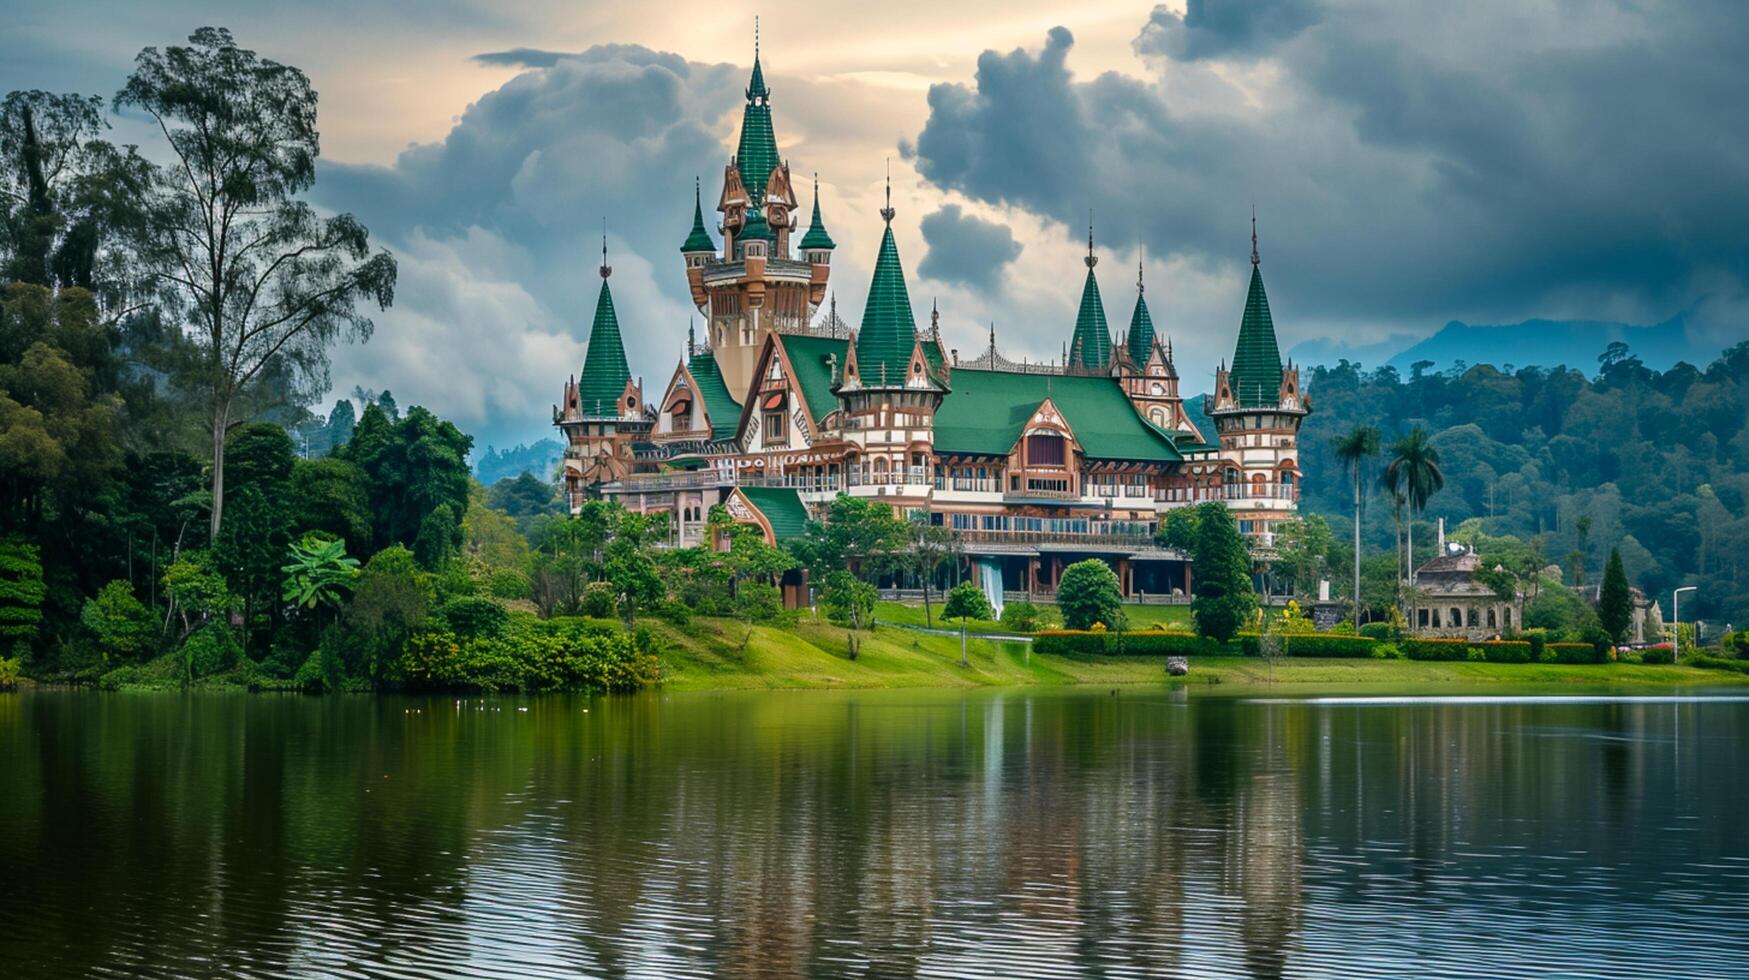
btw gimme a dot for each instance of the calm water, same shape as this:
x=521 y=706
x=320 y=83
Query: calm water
x=990 y=834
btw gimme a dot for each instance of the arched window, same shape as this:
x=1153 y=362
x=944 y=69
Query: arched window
x=1157 y=416
x=1457 y=617
x=1491 y=623
x=1259 y=486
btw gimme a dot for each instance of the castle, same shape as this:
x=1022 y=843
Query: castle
x=781 y=407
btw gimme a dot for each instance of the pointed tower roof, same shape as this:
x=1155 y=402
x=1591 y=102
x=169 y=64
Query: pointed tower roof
x=756 y=157
x=817 y=238
x=889 y=330
x=1256 y=374
x=1141 y=336
x=699 y=240
x=605 y=372
x=1090 y=347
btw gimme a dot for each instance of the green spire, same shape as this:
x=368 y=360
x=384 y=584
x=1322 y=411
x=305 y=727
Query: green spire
x=605 y=373
x=1141 y=338
x=817 y=238
x=889 y=331
x=1256 y=374
x=699 y=240
x=757 y=156
x=1090 y=347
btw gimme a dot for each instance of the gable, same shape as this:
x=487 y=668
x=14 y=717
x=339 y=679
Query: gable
x=987 y=411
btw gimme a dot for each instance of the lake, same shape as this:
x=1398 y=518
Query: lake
x=1145 y=832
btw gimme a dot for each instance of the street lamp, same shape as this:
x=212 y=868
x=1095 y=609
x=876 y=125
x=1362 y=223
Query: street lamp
x=1676 y=615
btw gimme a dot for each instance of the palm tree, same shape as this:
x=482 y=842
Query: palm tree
x=1353 y=450
x=1414 y=469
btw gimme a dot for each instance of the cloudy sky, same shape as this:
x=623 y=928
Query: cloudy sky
x=1410 y=163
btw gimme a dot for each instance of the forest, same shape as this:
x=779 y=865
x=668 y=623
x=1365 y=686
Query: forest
x=1567 y=464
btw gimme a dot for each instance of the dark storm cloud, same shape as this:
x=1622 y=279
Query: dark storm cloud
x=1224 y=28
x=965 y=249
x=1409 y=163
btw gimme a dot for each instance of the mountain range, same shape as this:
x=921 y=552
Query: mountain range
x=1545 y=343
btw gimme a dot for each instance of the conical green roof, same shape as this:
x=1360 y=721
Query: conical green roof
x=1090 y=347
x=1256 y=374
x=755 y=228
x=605 y=373
x=756 y=157
x=1141 y=337
x=699 y=240
x=889 y=331
x=816 y=238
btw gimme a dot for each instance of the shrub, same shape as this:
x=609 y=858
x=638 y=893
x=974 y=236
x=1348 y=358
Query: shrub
x=1023 y=617
x=1313 y=645
x=1574 y=653
x=597 y=600
x=508 y=583
x=1663 y=653
x=1537 y=639
x=532 y=655
x=122 y=624
x=1387 y=651
x=469 y=617
x=1379 y=631
x=1436 y=649
x=1142 y=643
x=1717 y=663
x=757 y=602
x=1504 y=651
x=11 y=669
x=210 y=650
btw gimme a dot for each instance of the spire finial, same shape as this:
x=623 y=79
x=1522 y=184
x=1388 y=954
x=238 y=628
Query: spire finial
x=888 y=212
x=1091 y=259
x=691 y=337
x=755 y=37
x=1140 y=286
x=606 y=270
x=1254 y=259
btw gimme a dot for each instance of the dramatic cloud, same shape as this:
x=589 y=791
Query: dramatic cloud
x=1409 y=164
x=965 y=249
x=1224 y=28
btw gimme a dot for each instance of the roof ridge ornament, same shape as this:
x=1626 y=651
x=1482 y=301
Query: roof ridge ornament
x=887 y=213
x=1254 y=259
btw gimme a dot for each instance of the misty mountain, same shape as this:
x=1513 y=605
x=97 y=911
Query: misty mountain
x=1575 y=343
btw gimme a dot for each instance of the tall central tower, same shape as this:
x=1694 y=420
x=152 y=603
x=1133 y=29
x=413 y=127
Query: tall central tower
x=755 y=284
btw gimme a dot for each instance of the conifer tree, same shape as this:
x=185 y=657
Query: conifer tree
x=1615 y=606
x=1221 y=566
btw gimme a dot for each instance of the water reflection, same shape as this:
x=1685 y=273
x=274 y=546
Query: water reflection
x=899 y=833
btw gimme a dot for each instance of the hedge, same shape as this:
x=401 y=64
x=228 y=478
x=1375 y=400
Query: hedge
x=1315 y=645
x=1717 y=663
x=1137 y=643
x=1436 y=649
x=532 y=655
x=1378 y=631
x=1504 y=651
x=1663 y=653
x=1574 y=653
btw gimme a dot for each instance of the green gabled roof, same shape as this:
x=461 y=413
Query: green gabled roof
x=605 y=373
x=1256 y=373
x=987 y=410
x=817 y=238
x=700 y=239
x=1090 y=347
x=1141 y=337
x=812 y=373
x=720 y=406
x=755 y=227
x=782 y=507
x=757 y=156
x=889 y=331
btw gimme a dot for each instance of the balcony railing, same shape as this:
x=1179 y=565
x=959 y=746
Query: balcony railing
x=1133 y=539
x=912 y=476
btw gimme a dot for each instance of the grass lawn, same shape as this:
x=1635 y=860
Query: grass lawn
x=708 y=654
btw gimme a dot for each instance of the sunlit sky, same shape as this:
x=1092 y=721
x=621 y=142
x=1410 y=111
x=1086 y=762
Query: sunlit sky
x=1410 y=163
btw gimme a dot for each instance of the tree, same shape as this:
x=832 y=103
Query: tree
x=856 y=532
x=1414 y=471
x=927 y=547
x=1221 y=567
x=524 y=497
x=390 y=599
x=263 y=280
x=121 y=624
x=21 y=593
x=849 y=601
x=413 y=466
x=1178 y=530
x=1089 y=593
x=438 y=539
x=196 y=590
x=966 y=601
x=331 y=495
x=629 y=562
x=341 y=421
x=1353 y=450
x=1615 y=603
x=1304 y=549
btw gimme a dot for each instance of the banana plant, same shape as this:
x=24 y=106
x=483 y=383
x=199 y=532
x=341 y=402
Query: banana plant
x=318 y=570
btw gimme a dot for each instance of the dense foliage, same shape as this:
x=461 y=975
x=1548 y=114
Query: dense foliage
x=1089 y=596
x=1653 y=463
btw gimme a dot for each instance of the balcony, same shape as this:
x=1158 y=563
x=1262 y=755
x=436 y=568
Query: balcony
x=1098 y=535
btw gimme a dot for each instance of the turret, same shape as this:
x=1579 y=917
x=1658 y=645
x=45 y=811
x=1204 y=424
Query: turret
x=1090 y=346
x=817 y=247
